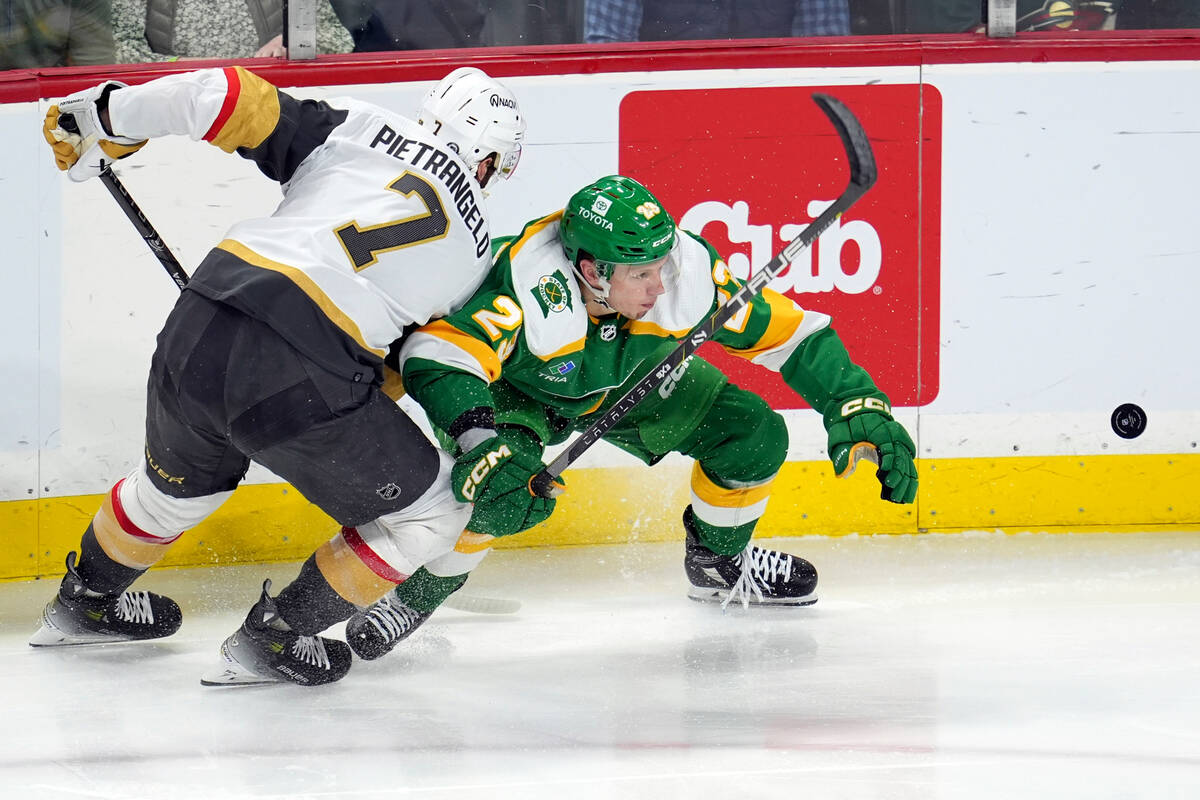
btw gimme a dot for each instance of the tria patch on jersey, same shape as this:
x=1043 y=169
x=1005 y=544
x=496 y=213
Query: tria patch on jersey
x=557 y=373
x=552 y=294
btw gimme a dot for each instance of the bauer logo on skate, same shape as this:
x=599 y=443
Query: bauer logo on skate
x=749 y=168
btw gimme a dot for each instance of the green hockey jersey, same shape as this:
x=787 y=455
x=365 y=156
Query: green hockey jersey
x=528 y=325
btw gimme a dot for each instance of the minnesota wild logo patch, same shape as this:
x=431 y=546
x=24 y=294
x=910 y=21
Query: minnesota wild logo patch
x=552 y=294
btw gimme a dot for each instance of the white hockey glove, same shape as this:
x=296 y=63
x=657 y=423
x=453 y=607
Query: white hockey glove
x=82 y=145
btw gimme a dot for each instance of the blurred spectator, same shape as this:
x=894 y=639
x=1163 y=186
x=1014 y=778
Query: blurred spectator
x=669 y=20
x=522 y=22
x=939 y=16
x=412 y=24
x=960 y=16
x=55 y=33
x=166 y=30
x=1143 y=14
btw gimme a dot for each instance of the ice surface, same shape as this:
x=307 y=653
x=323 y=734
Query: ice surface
x=941 y=666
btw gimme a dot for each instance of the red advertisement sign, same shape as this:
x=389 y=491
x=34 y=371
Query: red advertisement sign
x=749 y=168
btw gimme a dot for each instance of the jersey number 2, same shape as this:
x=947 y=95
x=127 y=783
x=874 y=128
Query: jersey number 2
x=363 y=245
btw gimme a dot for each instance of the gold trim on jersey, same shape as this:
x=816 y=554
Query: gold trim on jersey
x=786 y=318
x=642 y=327
x=489 y=361
x=595 y=405
x=254 y=117
x=306 y=285
x=393 y=383
x=566 y=349
x=531 y=231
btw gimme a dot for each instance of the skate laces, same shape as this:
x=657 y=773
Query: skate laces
x=311 y=650
x=392 y=619
x=135 y=607
x=760 y=568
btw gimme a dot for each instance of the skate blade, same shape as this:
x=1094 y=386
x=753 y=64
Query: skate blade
x=235 y=676
x=231 y=672
x=718 y=596
x=50 y=635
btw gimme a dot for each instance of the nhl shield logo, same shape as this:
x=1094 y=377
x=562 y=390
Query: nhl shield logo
x=608 y=331
x=389 y=491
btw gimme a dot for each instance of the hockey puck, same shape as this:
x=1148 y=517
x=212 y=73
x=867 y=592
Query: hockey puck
x=1128 y=421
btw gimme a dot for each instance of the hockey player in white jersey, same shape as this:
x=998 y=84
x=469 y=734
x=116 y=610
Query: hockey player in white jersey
x=276 y=349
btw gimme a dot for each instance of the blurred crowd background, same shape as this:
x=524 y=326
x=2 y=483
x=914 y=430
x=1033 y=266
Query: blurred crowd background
x=49 y=33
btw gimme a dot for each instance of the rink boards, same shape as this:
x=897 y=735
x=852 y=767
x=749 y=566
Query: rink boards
x=1024 y=268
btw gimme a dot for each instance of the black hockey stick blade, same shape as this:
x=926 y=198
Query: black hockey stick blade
x=854 y=140
x=143 y=227
x=863 y=174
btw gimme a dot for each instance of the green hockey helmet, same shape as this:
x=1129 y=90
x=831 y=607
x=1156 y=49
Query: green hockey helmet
x=614 y=221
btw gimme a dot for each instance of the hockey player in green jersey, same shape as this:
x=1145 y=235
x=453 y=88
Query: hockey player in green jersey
x=576 y=308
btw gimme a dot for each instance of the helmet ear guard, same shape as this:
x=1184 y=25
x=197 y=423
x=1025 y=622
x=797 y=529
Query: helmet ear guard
x=615 y=220
x=476 y=117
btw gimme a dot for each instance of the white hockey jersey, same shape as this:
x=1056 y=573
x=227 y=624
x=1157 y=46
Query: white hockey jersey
x=381 y=226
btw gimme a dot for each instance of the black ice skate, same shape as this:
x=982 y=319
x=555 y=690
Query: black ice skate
x=755 y=576
x=374 y=632
x=77 y=615
x=265 y=650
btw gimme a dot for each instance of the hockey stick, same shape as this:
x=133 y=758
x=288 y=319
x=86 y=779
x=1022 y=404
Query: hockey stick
x=471 y=603
x=862 y=177
x=482 y=605
x=143 y=226
x=135 y=215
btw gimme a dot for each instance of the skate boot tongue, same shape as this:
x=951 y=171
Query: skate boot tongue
x=374 y=632
x=266 y=650
x=761 y=571
x=755 y=576
x=78 y=615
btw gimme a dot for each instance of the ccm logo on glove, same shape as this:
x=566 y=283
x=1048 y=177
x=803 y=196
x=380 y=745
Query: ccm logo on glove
x=481 y=470
x=865 y=404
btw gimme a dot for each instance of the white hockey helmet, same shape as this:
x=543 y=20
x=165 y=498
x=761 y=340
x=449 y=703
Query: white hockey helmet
x=475 y=116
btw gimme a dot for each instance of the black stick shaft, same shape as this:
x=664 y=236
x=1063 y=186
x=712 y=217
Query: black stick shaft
x=862 y=176
x=143 y=227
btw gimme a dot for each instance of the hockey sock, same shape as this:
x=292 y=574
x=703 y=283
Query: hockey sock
x=424 y=591
x=724 y=541
x=309 y=604
x=98 y=571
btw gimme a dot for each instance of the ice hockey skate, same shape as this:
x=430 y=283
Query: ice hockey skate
x=265 y=650
x=753 y=577
x=374 y=632
x=77 y=615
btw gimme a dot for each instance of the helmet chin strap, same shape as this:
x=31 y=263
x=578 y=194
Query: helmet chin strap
x=599 y=293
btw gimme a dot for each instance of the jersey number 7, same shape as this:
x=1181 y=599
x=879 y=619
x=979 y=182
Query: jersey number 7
x=363 y=245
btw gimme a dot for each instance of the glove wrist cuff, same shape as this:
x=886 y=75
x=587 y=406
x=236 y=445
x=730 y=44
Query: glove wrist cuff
x=473 y=427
